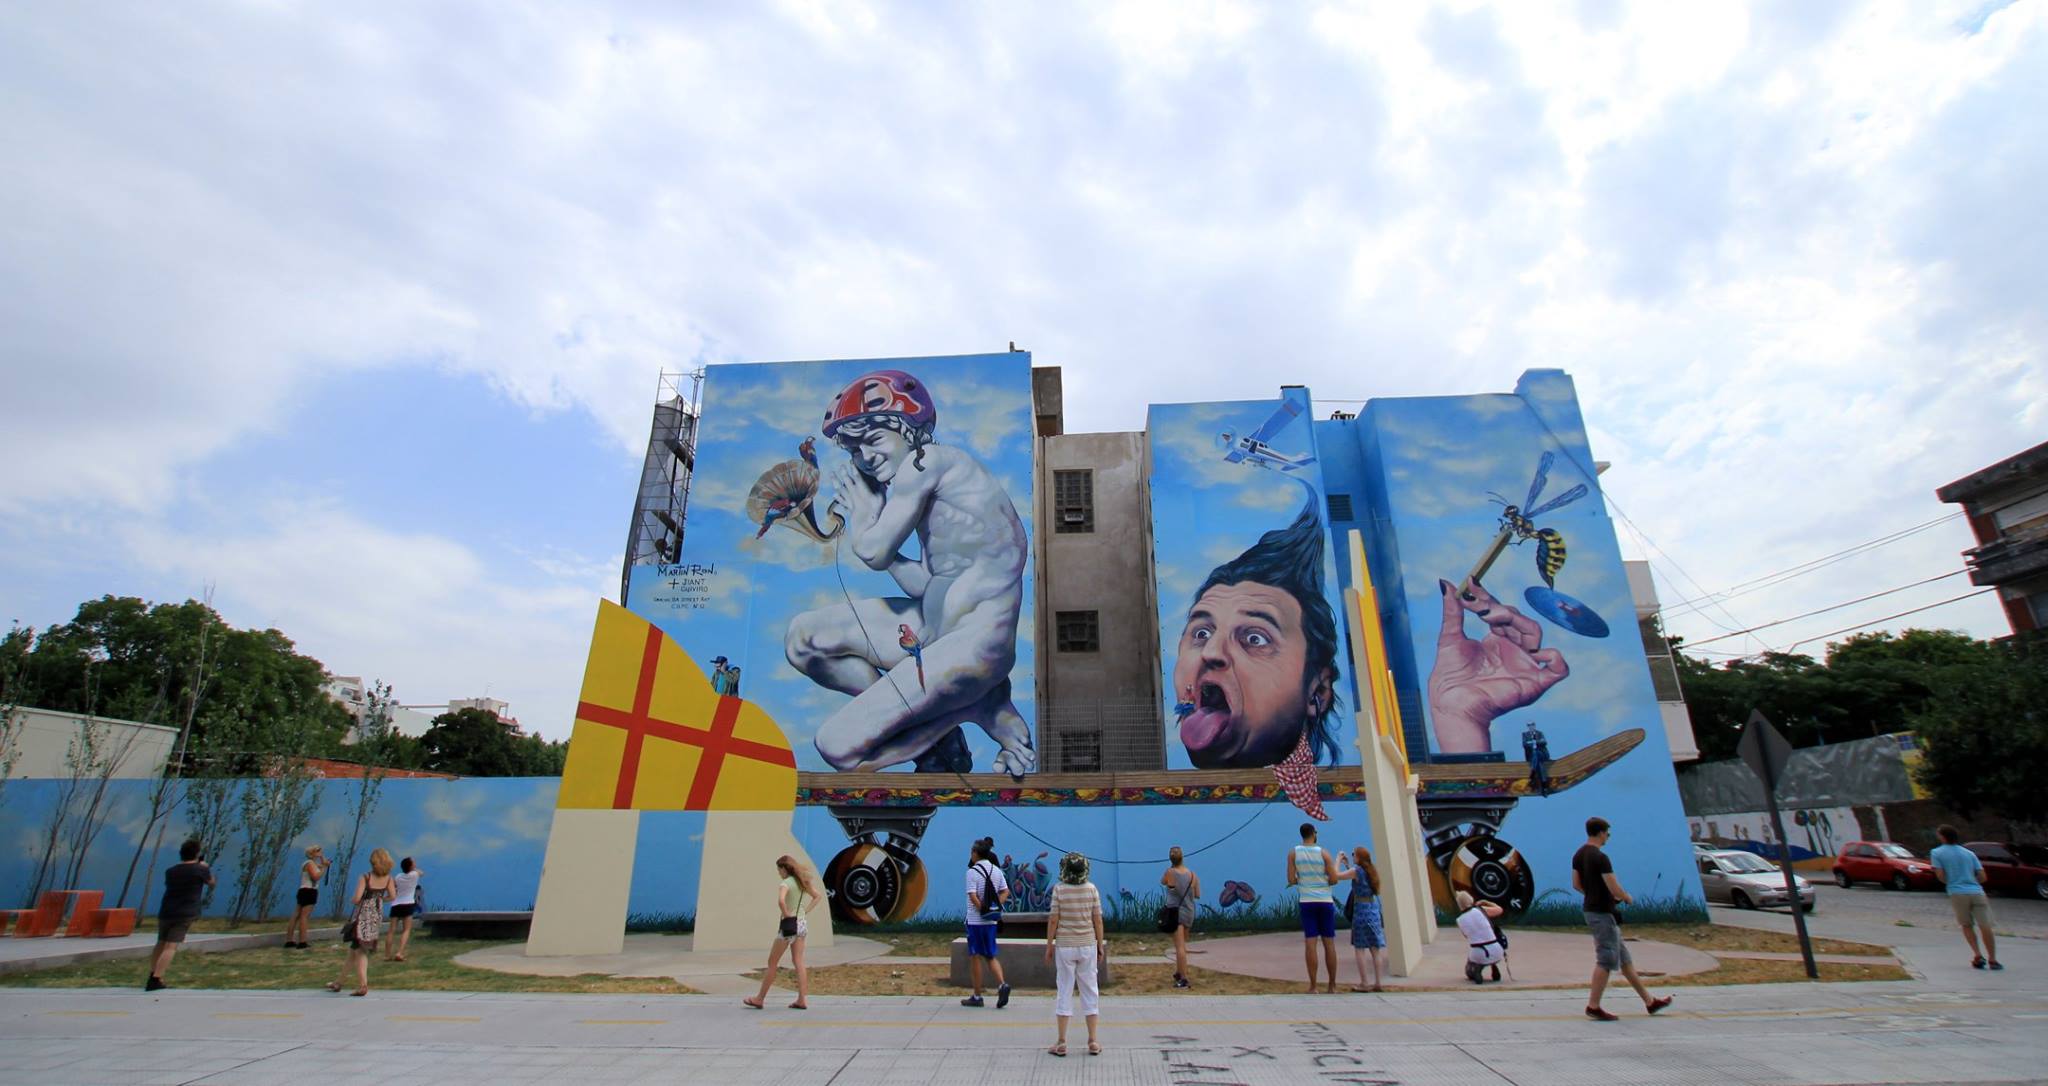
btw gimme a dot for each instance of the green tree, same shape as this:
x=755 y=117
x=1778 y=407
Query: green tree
x=475 y=743
x=1984 y=733
x=471 y=743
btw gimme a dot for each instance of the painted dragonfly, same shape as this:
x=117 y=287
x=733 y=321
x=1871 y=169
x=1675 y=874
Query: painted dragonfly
x=1254 y=450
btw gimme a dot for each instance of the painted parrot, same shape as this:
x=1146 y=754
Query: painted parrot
x=777 y=509
x=809 y=451
x=909 y=643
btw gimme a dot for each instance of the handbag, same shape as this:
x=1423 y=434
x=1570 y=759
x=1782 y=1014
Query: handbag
x=787 y=929
x=1168 y=920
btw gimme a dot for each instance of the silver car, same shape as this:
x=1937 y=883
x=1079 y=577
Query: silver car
x=1748 y=881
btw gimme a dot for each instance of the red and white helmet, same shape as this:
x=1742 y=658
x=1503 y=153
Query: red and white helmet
x=883 y=393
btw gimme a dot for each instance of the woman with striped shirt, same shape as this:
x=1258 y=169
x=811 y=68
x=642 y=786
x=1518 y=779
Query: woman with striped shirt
x=1073 y=937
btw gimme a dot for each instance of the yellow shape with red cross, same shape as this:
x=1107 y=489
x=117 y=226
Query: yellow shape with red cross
x=651 y=735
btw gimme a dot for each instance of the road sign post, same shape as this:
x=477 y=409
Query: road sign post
x=1766 y=751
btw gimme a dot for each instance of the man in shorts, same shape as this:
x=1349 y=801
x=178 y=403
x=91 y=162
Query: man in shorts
x=1311 y=870
x=1962 y=873
x=987 y=890
x=1593 y=876
x=185 y=884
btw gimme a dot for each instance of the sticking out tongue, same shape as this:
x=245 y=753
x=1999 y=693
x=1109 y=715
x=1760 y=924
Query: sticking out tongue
x=1205 y=727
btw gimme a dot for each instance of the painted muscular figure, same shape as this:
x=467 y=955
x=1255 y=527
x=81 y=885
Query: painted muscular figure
x=961 y=597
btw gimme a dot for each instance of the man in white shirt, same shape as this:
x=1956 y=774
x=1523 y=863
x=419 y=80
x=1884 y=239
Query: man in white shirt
x=986 y=892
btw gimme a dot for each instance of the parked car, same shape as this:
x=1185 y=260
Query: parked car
x=2005 y=873
x=1886 y=863
x=1747 y=881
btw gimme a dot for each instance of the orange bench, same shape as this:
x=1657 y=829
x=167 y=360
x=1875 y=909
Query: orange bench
x=44 y=918
x=84 y=905
x=9 y=916
x=109 y=923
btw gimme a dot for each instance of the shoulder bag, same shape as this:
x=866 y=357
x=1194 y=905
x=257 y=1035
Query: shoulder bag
x=1169 y=915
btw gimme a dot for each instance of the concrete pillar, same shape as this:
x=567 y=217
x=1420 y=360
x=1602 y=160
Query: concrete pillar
x=585 y=881
x=736 y=882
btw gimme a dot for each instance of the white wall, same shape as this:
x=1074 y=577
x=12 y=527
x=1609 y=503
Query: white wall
x=43 y=738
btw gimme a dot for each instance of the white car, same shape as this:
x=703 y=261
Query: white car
x=1748 y=881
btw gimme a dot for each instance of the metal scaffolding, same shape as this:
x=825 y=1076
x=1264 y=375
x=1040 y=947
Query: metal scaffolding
x=656 y=534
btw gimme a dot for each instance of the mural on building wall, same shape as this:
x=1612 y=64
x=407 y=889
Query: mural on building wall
x=1254 y=662
x=858 y=555
x=1817 y=833
x=1484 y=494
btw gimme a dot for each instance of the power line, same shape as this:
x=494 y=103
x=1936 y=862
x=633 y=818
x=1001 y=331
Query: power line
x=1888 y=618
x=1835 y=607
x=1607 y=497
x=1768 y=580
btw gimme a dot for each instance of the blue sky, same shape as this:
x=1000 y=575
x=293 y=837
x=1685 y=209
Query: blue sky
x=1789 y=252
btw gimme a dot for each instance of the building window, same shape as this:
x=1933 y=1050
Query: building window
x=1073 y=501
x=1340 y=507
x=1081 y=752
x=1078 y=631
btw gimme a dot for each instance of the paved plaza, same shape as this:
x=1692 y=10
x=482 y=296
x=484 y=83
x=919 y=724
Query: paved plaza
x=1953 y=1024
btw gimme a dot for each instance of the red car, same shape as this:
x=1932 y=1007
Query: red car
x=2006 y=873
x=1885 y=863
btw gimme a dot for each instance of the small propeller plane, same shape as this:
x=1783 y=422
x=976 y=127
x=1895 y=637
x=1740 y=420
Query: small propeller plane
x=1253 y=450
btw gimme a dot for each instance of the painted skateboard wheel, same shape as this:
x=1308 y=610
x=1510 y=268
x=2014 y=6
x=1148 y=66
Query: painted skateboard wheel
x=1490 y=869
x=868 y=885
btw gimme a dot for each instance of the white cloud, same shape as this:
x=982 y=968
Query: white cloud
x=1790 y=256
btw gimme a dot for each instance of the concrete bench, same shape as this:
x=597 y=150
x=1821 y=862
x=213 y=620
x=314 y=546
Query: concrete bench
x=449 y=924
x=1024 y=964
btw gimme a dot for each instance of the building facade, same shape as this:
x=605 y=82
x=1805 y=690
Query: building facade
x=2007 y=506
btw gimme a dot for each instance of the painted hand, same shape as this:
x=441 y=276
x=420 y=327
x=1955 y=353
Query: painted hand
x=1475 y=680
x=862 y=504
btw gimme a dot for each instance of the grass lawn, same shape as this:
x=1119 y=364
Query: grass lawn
x=910 y=979
x=429 y=966
x=939 y=944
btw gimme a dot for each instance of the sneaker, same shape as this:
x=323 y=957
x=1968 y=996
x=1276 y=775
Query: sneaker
x=1181 y=982
x=1002 y=996
x=1977 y=962
x=156 y=984
x=972 y=1001
x=1996 y=966
x=1598 y=1015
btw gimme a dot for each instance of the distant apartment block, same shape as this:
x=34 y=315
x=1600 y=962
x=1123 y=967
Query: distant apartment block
x=2007 y=506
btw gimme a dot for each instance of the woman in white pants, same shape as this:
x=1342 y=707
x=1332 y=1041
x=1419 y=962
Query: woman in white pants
x=1073 y=937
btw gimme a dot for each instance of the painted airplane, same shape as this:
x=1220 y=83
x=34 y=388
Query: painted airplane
x=1253 y=450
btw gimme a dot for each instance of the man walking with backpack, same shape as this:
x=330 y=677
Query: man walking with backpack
x=986 y=892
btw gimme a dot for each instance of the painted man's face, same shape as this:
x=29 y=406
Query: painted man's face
x=1243 y=655
x=879 y=453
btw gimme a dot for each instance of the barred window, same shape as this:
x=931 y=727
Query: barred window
x=1078 y=631
x=1073 y=501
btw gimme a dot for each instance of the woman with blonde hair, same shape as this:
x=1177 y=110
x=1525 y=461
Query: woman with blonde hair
x=310 y=874
x=797 y=894
x=366 y=924
x=1183 y=887
x=1368 y=934
x=1073 y=935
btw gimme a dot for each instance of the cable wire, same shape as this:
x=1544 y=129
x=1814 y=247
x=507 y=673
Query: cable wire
x=1771 y=580
x=1835 y=607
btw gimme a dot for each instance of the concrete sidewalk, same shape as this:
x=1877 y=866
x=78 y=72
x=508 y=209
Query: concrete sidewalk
x=1791 y=1033
x=51 y=952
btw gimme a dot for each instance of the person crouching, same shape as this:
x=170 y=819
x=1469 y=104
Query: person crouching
x=1483 y=946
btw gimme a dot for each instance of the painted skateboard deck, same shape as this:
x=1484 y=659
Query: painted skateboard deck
x=1477 y=781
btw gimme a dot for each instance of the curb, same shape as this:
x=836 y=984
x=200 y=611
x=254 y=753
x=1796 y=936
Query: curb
x=213 y=945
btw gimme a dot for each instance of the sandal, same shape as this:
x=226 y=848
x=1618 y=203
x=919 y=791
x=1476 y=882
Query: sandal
x=799 y=1006
x=750 y=1001
x=1059 y=1050
x=1977 y=962
x=334 y=986
x=400 y=958
x=360 y=992
x=1094 y=1048
x=1356 y=988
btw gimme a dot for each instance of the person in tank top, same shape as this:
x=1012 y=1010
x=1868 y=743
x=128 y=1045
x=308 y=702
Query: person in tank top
x=1310 y=870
